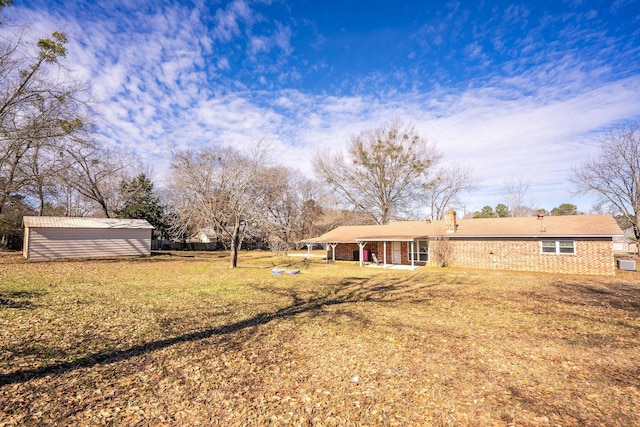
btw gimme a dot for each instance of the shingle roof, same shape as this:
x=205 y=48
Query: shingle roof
x=345 y=234
x=72 y=222
x=551 y=226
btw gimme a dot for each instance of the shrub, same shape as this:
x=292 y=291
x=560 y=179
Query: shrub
x=441 y=251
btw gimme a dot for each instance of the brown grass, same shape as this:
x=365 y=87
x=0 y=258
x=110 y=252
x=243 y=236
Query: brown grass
x=176 y=340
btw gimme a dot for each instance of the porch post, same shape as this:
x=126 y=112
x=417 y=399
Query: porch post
x=333 y=250
x=309 y=250
x=412 y=252
x=384 y=256
x=362 y=245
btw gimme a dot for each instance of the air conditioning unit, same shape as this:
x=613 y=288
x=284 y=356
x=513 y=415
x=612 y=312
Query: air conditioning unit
x=627 y=264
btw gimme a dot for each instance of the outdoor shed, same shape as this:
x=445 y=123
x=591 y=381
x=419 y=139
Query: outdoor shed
x=48 y=238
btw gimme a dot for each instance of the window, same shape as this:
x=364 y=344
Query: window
x=558 y=247
x=421 y=250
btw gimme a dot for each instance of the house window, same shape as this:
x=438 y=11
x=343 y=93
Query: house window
x=421 y=250
x=558 y=247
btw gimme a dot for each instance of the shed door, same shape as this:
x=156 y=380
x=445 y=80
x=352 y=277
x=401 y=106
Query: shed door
x=396 y=253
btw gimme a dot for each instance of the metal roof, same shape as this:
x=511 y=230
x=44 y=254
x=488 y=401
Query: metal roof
x=76 y=222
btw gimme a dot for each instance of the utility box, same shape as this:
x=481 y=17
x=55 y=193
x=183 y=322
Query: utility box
x=627 y=264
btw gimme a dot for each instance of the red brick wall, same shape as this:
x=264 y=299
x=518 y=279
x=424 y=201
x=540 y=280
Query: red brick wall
x=344 y=251
x=591 y=257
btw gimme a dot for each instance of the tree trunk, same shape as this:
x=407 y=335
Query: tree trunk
x=8 y=181
x=636 y=233
x=40 y=200
x=384 y=214
x=235 y=244
x=103 y=205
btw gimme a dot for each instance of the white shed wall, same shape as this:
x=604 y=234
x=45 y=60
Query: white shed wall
x=53 y=243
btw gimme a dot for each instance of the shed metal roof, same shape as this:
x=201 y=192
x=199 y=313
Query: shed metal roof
x=76 y=222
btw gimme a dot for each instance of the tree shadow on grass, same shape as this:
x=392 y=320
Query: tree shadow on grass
x=17 y=299
x=347 y=291
x=595 y=293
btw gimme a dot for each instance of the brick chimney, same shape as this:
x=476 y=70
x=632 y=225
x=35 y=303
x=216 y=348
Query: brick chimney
x=450 y=221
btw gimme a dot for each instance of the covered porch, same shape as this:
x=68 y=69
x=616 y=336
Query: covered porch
x=400 y=253
x=398 y=246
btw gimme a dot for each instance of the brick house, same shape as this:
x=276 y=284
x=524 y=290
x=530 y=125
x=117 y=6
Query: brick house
x=576 y=244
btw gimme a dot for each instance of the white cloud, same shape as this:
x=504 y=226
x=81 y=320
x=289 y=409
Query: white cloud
x=223 y=63
x=258 y=44
x=282 y=38
x=539 y=138
x=265 y=43
x=227 y=24
x=536 y=118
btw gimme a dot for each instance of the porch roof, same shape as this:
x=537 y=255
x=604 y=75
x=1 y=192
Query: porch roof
x=390 y=239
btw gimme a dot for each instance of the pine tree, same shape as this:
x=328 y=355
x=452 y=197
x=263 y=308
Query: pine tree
x=140 y=202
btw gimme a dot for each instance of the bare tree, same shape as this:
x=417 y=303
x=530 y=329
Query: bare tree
x=44 y=169
x=614 y=176
x=25 y=97
x=382 y=172
x=43 y=164
x=443 y=191
x=96 y=171
x=66 y=201
x=516 y=192
x=289 y=202
x=25 y=79
x=215 y=189
x=38 y=103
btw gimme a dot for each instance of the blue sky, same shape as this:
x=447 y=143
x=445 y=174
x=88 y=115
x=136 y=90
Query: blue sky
x=514 y=90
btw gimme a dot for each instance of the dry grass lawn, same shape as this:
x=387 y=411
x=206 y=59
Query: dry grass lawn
x=183 y=340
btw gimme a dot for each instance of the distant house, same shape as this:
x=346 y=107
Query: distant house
x=203 y=235
x=48 y=238
x=626 y=244
x=575 y=244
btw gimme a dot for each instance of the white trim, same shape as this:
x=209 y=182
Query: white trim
x=396 y=253
x=415 y=255
x=557 y=247
x=385 y=239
